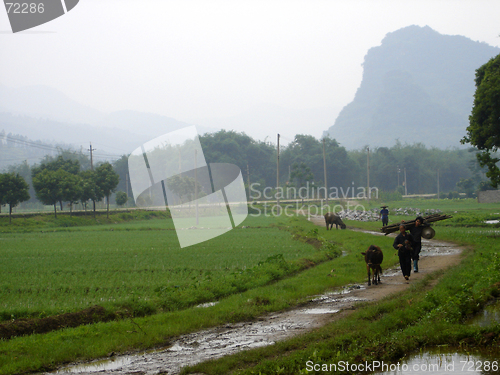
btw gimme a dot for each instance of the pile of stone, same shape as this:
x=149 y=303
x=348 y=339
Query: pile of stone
x=410 y=211
x=373 y=214
x=367 y=215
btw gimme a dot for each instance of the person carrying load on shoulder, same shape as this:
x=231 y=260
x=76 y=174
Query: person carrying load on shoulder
x=416 y=232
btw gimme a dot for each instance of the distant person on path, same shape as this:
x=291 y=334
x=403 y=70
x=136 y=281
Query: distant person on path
x=416 y=233
x=403 y=244
x=384 y=214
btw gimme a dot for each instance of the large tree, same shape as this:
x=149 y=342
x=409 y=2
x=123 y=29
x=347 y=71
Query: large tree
x=71 y=187
x=183 y=187
x=305 y=149
x=13 y=190
x=484 y=122
x=256 y=159
x=89 y=189
x=301 y=174
x=24 y=170
x=60 y=163
x=49 y=186
x=107 y=180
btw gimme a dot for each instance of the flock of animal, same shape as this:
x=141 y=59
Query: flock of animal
x=373 y=255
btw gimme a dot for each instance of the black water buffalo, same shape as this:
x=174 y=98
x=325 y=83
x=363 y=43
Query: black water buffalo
x=331 y=218
x=373 y=259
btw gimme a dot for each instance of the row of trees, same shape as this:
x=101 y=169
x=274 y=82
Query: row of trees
x=69 y=178
x=58 y=180
x=301 y=163
x=62 y=180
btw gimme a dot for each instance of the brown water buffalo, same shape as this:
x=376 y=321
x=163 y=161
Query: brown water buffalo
x=331 y=218
x=373 y=259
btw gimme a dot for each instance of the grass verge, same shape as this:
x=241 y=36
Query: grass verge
x=313 y=276
x=391 y=329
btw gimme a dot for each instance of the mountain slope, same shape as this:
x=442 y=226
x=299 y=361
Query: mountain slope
x=44 y=113
x=417 y=86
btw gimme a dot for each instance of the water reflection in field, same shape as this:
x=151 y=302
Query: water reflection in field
x=437 y=362
x=489 y=316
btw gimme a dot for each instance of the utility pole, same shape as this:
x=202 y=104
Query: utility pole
x=92 y=168
x=368 y=171
x=406 y=187
x=324 y=171
x=399 y=170
x=278 y=176
x=91 y=160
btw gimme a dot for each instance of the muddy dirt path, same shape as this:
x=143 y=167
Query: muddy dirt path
x=220 y=341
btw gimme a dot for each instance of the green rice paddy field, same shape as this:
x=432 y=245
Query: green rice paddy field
x=45 y=272
x=132 y=263
x=51 y=266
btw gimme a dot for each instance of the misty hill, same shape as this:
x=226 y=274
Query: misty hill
x=40 y=101
x=15 y=149
x=417 y=86
x=264 y=121
x=46 y=114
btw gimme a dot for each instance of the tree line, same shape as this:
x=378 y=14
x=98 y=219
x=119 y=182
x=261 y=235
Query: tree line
x=56 y=180
x=302 y=163
x=69 y=178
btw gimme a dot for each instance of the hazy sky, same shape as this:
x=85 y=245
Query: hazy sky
x=200 y=59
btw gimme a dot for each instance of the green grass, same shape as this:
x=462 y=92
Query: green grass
x=47 y=222
x=277 y=292
x=139 y=265
x=387 y=330
x=423 y=316
x=448 y=205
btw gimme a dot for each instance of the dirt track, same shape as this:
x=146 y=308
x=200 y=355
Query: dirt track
x=220 y=341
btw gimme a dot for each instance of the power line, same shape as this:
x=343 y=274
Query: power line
x=31 y=144
x=52 y=148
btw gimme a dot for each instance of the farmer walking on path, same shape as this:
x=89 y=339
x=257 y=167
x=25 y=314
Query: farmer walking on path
x=416 y=233
x=403 y=244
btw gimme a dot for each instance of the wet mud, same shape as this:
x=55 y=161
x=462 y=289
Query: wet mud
x=225 y=340
x=220 y=341
x=22 y=327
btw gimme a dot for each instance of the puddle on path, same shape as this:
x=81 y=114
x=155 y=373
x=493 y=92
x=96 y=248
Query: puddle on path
x=221 y=341
x=435 y=248
x=217 y=342
x=434 y=362
x=106 y=364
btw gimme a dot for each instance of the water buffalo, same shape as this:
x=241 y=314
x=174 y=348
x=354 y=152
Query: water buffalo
x=331 y=218
x=373 y=259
